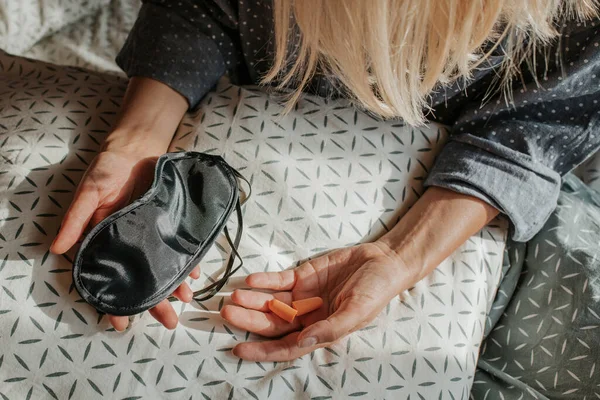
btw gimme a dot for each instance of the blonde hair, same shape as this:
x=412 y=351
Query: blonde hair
x=389 y=54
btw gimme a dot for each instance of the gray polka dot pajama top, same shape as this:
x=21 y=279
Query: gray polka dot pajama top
x=510 y=155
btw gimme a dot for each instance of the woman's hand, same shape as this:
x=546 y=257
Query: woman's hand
x=355 y=284
x=124 y=169
x=113 y=180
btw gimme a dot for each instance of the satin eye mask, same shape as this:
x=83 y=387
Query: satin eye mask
x=138 y=256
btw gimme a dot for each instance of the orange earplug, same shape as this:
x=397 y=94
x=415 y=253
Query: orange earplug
x=282 y=310
x=307 y=305
x=300 y=307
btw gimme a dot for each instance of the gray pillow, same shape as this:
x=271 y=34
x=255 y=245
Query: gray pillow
x=545 y=344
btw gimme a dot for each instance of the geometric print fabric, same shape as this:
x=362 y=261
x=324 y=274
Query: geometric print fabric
x=323 y=176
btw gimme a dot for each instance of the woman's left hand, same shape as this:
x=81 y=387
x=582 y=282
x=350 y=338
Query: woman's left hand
x=355 y=284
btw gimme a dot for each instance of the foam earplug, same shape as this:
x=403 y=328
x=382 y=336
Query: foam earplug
x=282 y=310
x=305 y=306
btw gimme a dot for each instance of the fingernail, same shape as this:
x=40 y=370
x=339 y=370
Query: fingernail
x=308 y=342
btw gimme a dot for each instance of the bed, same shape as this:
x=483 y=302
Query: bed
x=324 y=176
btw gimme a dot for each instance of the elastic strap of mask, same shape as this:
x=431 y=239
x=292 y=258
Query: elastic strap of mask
x=214 y=288
x=242 y=177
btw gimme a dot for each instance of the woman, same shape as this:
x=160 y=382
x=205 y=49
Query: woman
x=441 y=59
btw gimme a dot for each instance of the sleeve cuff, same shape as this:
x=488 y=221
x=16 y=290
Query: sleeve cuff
x=524 y=190
x=163 y=47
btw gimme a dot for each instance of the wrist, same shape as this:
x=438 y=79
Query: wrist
x=149 y=116
x=138 y=141
x=408 y=265
x=438 y=223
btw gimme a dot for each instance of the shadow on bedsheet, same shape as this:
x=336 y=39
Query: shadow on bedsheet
x=33 y=213
x=52 y=122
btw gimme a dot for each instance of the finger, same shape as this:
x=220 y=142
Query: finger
x=264 y=324
x=184 y=293
x=257 y=300
x=283 y=280
x=284 y=349
x=75 y=221
x=165 y=314
x=118 y=322
x=195 y=274
x=349 y=315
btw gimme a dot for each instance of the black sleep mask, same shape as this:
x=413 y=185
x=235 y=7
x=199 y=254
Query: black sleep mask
x=138 y=256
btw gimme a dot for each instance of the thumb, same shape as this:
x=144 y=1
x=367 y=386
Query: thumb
x=75 y=221
x=347 y=318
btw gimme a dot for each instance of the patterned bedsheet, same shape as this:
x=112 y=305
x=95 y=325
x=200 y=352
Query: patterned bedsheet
x=324 y=176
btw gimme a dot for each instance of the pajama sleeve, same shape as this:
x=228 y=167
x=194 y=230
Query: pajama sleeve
x=512 y=154
x=186 y=44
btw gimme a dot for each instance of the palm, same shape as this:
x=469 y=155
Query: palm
x=354 y=283
x=113 y=188
x=111 y=182
x=346 y=275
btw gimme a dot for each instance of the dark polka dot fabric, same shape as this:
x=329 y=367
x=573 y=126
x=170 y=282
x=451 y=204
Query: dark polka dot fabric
x=511 y=154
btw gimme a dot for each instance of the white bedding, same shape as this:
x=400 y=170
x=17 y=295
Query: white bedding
x=23 y=23
x=92 y=42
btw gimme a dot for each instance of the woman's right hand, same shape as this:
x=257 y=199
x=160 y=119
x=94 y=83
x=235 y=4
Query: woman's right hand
x=110 y=183
x=124 y=169
x=113 y=180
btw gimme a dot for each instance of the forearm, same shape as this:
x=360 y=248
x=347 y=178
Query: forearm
x=149 y=116
x=439 y=222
